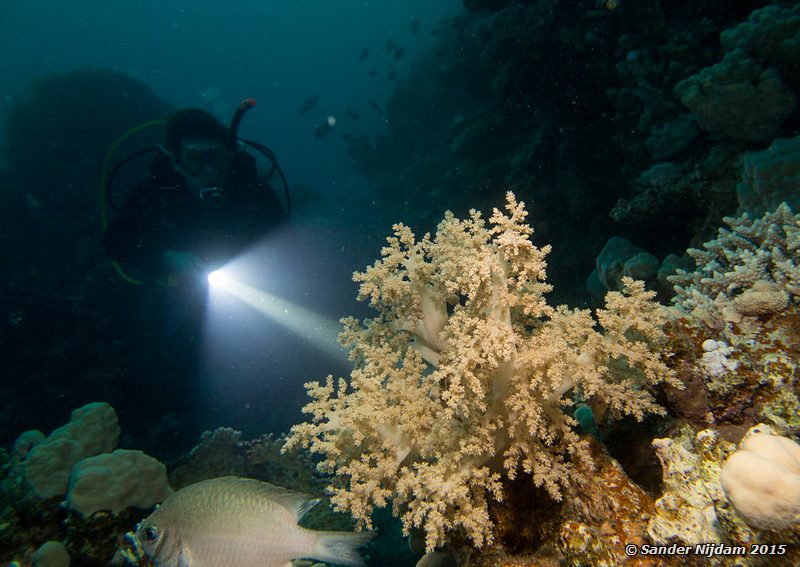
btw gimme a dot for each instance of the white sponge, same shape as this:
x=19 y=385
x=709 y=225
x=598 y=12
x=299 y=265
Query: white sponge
x=762 y=480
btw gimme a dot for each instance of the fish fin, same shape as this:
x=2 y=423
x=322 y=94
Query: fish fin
x=304 y=506
x=298 y=503
x=340 y=547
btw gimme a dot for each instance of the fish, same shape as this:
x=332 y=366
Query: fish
x=399 y=53
x=415 y=23
x=375 y=106
x=323 y=129
x=364 y=54
x=308 y=104
x=390 y=45
x=351 y=114
x=240 y=522
x=373 y=73
x=392 y=75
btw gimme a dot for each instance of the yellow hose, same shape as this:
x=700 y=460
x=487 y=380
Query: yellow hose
x=107 y=163
x=104 y=190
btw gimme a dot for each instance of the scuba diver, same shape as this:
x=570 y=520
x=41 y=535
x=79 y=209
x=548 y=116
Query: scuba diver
x=202 y=203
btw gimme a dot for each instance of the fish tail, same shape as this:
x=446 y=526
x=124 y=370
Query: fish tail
x=340 y=547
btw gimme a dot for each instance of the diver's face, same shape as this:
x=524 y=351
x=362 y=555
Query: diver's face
x=204 y=162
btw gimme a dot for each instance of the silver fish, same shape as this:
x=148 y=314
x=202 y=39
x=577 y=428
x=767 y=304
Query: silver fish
x=240 y=522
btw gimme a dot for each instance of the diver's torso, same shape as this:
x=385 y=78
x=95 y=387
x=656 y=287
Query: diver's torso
x=213 y=232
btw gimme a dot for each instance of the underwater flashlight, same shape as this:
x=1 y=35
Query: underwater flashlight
x=217 y=278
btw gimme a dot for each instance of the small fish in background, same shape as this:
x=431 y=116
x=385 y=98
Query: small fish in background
x=351 y=114
x=347 y=136
x=390 y=45
x=240 y=522
x=373 y=73
x=392 y=75
x=364 y=54
x=210 y=94
x=325 y=128
x=308 y=104
x=399 y=53
x=415 y=23
x=375 y=106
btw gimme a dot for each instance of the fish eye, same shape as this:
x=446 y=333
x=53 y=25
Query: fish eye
x=150 y=534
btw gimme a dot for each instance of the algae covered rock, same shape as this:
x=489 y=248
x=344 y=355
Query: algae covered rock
x=52 y=554
x=738 y=98
x=94 y=427
x=59 y=130
x=92 y=430
x=691 y=464
x=115 y=481
x=48 y=466
x=770 y=177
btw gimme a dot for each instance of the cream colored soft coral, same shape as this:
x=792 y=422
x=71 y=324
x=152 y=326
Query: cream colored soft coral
x=461 y=377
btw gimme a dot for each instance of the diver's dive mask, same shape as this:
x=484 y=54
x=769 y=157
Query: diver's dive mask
x=205 y=166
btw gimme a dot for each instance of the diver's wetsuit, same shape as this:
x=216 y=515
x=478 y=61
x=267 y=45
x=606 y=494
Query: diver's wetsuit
x=161 y=214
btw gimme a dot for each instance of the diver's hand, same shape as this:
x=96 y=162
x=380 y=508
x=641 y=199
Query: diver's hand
x=182 y=262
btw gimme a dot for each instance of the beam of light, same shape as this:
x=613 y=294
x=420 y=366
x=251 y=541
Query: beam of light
x=320 y=331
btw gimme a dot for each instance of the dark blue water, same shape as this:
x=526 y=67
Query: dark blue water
x=213 y=54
